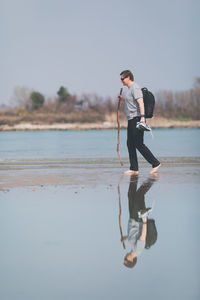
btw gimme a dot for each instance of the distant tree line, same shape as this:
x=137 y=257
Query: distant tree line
x=64 y=102
x=182 y=104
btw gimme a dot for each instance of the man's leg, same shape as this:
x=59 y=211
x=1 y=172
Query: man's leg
x=142 y=148
x=131 y=145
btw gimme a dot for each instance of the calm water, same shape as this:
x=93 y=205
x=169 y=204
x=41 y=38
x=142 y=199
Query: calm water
x=62 y=241
x=94 y=143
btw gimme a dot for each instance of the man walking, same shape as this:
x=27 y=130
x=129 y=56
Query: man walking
x=134 y=108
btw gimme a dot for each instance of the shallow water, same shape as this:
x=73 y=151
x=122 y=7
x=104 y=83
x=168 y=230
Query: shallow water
x=63 y=241
x=94 y=144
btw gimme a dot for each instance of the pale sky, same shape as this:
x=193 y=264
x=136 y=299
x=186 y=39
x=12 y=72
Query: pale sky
x=84 y=45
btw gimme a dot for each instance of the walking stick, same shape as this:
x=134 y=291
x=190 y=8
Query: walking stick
x=118 y=128
x=120 y=212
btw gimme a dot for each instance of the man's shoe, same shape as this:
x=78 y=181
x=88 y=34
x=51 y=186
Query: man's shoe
x=143 y=126
x=144 y=213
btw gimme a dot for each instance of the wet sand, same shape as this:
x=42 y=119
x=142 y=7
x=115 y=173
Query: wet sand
x=23 y=173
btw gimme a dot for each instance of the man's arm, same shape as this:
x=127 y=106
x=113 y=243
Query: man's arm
x=141 y=107
x=144 y=230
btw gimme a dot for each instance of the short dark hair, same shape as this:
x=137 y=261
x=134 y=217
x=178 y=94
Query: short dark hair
x=127 y=73
x=130 y=264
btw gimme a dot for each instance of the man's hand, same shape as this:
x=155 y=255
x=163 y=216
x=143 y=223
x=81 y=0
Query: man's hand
x=123 y=238
x=120 y=98
x=144 y=220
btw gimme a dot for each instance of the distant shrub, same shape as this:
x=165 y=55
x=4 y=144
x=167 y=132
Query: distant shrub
x=37 y=100
x=63 y=95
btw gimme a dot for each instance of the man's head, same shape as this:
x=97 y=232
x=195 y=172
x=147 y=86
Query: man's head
x=130 y=260
x=127 y=77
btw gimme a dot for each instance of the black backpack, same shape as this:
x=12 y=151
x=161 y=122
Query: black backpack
x=149 y=102
x=152 y=233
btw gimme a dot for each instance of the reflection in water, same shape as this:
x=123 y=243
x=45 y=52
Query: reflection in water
x=142 y=231
x=120 y=213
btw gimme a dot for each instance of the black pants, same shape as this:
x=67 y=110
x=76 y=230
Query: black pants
x=136 y=196
x=135 y=140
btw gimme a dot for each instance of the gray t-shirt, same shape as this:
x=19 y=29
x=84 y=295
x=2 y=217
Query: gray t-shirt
x=134 y=233
x=131 y=105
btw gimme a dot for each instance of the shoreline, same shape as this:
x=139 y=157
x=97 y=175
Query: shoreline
x=154 y=123
x=32 y=174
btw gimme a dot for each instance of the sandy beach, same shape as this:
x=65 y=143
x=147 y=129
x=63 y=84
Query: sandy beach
x=85 y=171
x=110 y=123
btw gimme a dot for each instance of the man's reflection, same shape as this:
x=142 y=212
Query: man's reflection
x=142 y=231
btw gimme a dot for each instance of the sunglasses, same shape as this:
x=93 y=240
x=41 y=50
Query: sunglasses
x=122 y=79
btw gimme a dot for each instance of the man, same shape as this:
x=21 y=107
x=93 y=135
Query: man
x=134 y=108
x=138 y=222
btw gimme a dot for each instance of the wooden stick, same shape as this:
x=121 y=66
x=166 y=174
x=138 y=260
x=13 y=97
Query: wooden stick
x=120 y=213
x=118 y=129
